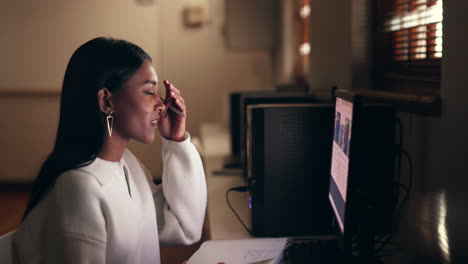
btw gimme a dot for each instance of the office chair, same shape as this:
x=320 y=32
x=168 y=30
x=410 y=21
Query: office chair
x=5 y=248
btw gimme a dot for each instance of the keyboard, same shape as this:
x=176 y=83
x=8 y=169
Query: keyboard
x=311 y=251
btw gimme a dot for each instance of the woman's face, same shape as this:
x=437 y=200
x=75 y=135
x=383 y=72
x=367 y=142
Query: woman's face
x=137 y=106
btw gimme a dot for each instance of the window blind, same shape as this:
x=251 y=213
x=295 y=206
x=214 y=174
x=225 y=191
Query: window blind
x=414 y=30
x=408 y=51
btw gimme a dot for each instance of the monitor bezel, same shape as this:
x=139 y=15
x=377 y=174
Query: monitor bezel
x=368 y=213
x=347 y=233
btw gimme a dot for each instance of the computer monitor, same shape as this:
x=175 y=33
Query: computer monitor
x=239 y=102
x=233 y=160
x=362 y=175
x=237 y=118
x=265 y=98
x=340 y=159
x=288 y=168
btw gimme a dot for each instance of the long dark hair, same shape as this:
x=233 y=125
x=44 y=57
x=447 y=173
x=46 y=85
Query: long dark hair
x=99 y=63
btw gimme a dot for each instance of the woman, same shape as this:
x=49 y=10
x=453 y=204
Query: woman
x=93 y=201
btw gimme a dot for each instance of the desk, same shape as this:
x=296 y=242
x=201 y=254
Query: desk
x=431 y=226
x=222 y=222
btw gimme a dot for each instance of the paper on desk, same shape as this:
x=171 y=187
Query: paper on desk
x=243 y=251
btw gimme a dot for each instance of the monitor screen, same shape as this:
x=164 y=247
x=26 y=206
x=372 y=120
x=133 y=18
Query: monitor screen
x=340 y=159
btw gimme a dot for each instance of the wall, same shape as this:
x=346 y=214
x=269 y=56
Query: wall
x=39 y=37
x=28 y=127
x=447 y=144
x=330 y=54
x=197 y=62
x=285 y=55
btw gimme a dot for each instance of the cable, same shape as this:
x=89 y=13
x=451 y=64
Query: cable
x=384 y=240
x=401 y=151
x=410 y=182
x=398 y=163
x=410 y=166
x=400 y=125
x=237 y=189
x=383 y=244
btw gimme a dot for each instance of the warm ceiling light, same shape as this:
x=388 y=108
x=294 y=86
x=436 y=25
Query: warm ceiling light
x=304 y=11
x=304 y=48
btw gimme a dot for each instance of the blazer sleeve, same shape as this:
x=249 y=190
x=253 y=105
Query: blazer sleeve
x=180 y=200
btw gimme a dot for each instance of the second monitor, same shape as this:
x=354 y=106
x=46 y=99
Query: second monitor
x=239 y=101
x=288 y=163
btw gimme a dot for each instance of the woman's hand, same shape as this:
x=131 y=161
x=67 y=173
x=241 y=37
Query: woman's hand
x=172 y=125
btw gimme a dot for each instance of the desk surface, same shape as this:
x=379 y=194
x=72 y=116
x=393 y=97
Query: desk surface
x=222 y=222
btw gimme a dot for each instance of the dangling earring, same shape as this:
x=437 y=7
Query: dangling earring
x=110 y=122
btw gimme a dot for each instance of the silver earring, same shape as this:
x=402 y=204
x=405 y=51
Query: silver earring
x=110 y=122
